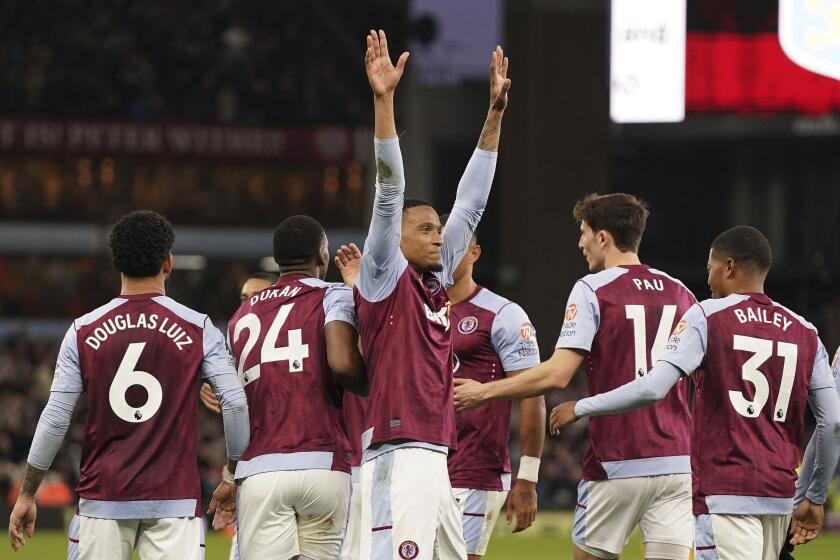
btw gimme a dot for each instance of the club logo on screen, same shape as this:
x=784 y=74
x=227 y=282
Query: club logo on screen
x=432 y=284
x=526 y=332
x=409 y=550
x=467 y=325
x=571 y=312
x=679 y=328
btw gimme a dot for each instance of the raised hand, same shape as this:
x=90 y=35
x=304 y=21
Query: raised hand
x=806 y=523
x=499 y=82
x=382 y=74
x=348 y=259
x=562 y=415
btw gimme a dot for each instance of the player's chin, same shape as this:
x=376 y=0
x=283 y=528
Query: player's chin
x=435 y=266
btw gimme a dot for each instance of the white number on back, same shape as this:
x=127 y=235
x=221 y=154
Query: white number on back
x=126 y=377
x=295 y=353
x=636 y=313
x=762 y=350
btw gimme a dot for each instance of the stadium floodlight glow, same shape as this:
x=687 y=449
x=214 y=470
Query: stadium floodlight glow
x=268 y=264
x=188 y=262
x=647 y=61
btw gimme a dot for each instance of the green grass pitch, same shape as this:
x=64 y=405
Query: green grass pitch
x=549 y=539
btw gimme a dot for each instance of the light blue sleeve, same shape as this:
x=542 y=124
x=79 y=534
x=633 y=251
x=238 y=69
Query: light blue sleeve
x=582 y=319
x=68 y=372
x=825 y=403
x=51 y=429
x=514 y=339
x=339 y=305
x=382 y=260
x=803 y=484
x=636 y=394
x=822 y=376
x=470 y=201
x=219 y=371
x=686 y=348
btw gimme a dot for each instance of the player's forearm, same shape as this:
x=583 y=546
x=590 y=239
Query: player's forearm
x=489 y=138
x=804 y=481
x=636 y=394
x=235 y=419
x=534 y=382
x=532 y=426
x=51 y=429
x=384 y=124
x=32 y=477
x=825 y=404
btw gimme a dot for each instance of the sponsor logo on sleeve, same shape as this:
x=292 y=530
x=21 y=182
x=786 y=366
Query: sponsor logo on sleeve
x=467 y=325
x=526 y=332
x=571 y=312
x=678 y=330
x=409 y=550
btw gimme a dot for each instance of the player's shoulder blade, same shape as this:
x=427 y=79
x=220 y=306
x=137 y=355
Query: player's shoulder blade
x=792 y=314
x=598 y=280
x=489 y=301
x=190 y=315
x=716 y=305
x=98 y=313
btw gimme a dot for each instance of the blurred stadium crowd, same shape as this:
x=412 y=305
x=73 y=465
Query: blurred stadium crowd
x=266 y=62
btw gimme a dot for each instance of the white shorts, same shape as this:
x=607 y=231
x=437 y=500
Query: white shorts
x=726 y=536
x=350 y=548
x=608 y=511
x=155 y=539
x=408 y=508
x=479 y=512
x=282 y=514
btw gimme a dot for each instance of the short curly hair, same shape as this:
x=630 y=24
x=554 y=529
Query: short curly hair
x=297 y=240
x=140 y=242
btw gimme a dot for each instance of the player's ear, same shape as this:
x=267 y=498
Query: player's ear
x=476 y=252
x=729 y=268
x=167 y=265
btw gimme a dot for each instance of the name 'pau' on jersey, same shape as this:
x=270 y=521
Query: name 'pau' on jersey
x=622 y=317
x=757 y=362
x=139 y=358
x=491 y=336
x=407 y=346
x=294 y=402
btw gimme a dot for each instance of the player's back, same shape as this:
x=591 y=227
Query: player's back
x=139 y=359
x=637 y=307
x=294 y=402
x=749 y=410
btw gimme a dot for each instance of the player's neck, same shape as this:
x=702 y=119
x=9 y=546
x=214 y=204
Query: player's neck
x=298 y=271
x=748 y=287
x=461 y=290
x=617 y=258
x=135 y=286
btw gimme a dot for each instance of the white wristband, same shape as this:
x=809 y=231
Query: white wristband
x=529 y=468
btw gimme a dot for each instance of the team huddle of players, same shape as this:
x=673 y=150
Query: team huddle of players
x=339 y=400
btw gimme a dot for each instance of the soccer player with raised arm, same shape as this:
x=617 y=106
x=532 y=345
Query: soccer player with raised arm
x=293 y=344
x=636 y=470
x=756 y=363
x=408 y=508
x=139 y=358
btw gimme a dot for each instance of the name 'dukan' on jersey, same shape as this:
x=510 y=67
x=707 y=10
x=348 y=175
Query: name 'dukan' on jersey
x=171 y=329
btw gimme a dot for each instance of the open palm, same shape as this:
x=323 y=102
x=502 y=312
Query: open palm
x=382 y=75
x=499 y=82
